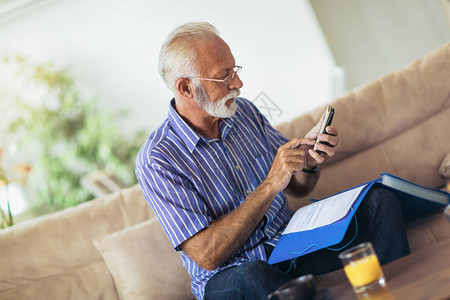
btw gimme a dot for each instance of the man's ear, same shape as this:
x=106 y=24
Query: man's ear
x=185 y=87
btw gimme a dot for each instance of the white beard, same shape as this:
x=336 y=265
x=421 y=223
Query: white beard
x=217 y=109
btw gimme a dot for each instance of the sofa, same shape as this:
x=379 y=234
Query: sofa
x=114 y=248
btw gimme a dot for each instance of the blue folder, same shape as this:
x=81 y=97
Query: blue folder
x=300 y=243
x=296 y=244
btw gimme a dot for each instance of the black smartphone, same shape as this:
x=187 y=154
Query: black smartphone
x=329 y=113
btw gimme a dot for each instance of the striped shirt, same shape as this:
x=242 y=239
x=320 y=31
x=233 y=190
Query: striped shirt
x=190 y=180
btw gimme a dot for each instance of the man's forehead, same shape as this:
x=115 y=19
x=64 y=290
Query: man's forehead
x=214 y=54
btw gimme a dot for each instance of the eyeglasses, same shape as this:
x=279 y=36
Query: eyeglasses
x=227 y=79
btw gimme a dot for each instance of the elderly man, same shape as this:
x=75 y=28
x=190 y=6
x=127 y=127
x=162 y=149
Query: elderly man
x=215 y=173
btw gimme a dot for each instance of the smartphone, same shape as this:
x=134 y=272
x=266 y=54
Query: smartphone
x=329 y=113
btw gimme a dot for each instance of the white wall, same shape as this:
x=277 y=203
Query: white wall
x=111 y=49
x=374 y=38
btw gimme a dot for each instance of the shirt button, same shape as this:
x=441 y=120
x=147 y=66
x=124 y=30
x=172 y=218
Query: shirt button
x=237 y=167
x=247 y=192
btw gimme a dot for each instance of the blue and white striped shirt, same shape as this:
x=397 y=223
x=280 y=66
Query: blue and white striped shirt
x=190 y=180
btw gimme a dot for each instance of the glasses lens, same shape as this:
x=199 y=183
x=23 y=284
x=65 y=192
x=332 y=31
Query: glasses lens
x=237 y=70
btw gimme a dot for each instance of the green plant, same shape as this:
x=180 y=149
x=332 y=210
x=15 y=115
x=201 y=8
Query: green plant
x=67 y=137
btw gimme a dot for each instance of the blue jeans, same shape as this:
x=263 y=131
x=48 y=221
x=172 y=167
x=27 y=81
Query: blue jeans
x=380 y=221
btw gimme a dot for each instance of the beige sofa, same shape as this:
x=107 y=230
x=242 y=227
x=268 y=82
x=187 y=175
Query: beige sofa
x=112 y=248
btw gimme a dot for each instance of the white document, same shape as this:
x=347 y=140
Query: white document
x=324 y=212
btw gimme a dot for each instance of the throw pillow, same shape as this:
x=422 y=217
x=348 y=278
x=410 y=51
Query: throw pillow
x=144 y=264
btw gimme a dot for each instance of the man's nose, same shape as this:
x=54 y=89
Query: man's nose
x=236 y=83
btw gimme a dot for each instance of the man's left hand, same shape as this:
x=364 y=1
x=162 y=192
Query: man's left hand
x=331 y=137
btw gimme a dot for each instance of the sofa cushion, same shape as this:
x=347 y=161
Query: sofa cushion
x=427 y=230
x=58 y=244
x=143 y=263
x=89 y=281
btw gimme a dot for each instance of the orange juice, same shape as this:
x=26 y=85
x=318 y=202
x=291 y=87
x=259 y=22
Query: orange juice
x=363 y=271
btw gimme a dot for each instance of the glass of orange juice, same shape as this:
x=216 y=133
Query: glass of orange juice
x=362 y=268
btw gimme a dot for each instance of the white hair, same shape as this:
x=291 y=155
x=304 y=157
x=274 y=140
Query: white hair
x=178 y=56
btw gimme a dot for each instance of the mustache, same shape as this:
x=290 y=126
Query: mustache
x=233 y=94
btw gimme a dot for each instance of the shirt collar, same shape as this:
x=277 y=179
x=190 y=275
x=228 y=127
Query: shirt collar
x=182 y=129
x=187 y=134
x=225 y=126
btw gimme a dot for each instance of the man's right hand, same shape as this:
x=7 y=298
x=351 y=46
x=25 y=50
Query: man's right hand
x=289 y=160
